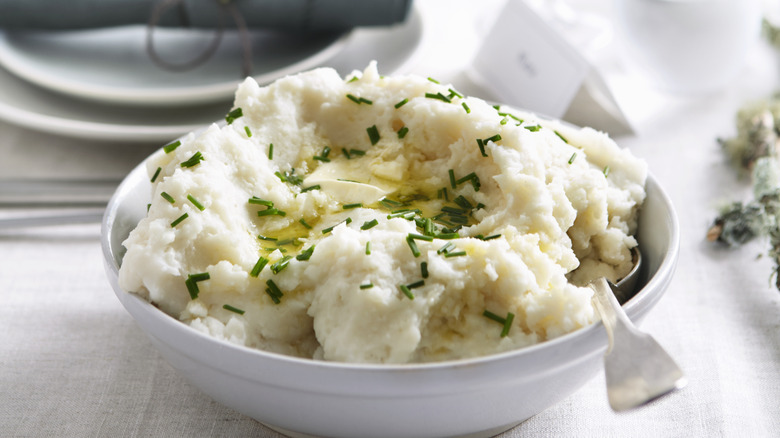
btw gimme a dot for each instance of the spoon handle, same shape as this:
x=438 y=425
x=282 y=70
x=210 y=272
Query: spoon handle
x=609 y=308
x=636 y=368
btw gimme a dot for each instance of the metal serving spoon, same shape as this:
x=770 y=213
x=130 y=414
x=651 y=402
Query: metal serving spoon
x=637 y=369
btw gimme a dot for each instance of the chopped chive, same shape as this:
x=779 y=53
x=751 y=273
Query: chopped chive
x=427 y=226
x=407 y=210
x=305 y=255
x=192 y=288
x=233 y=309
x=373 y=135
x=171 y=147
x=466 y=178
x=369 y=224
x=406 y=291
x=291 y=241
x=496 y=138
x=353 y=79
x=179 y=220
x=259 y=201
x=368 y=247
x=533 y=128
x=416 y=284
x=511 y=116
x=494 y=236
x=561 y=137
x=233 y=115
x=192 y=283
x=455 y=254
x=470 y=177
x=455 y=93
x=494 y=317
x=248 y=131
x=156 y=174
x=346 y=153
x=193 y=160
x=420 y=237
x=148 y=206
x=271 y=212
x=195 y=202
x=367 y=286
x=606 y=171
x=200 y=277
x=408 y=215
x=504 y=121
x=321 y=158
x=280 y=264
x=330 y=228
x=463 y=202
x=453 y=211
x=573 y=156
x=271 y=151
x=168 y=197
x=402 y=132
x=507 y=324
x=461 y=220
x=273 y=291
x=304 y=223
x=438 y=96
x=447 y=236
x=261 y=262
x=357 y=152
x=453 y=183
x=401 y=103
x=289 y=177
x=413 y=246
x=433 y=80
x=359 y=100
x=424 y=269
x=351 y=206
x=267 y=239
x=389 y=203
x=481 y=144
x=310 y=188
x=446 y=248
x=466 y=107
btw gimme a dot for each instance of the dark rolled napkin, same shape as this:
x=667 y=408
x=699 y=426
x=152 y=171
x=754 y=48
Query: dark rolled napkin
x=296 y=15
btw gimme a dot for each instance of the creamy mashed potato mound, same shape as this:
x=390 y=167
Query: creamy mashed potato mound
x=383 y=220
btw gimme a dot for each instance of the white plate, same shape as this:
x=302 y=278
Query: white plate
x=21 y=103
x=111 y=65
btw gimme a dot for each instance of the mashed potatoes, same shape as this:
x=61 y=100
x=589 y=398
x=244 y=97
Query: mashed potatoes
x=383 y=220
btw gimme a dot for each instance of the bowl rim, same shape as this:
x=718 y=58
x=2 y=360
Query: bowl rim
x=647 y=296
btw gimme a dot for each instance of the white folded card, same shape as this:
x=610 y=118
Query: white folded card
x=525 y=63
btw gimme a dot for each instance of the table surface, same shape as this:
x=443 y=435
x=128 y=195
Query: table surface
x=73 y=363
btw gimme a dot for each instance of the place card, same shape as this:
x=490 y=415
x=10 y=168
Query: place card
x=524 y=62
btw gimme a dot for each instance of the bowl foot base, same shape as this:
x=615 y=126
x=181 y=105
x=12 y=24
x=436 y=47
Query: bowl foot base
x=482 y=434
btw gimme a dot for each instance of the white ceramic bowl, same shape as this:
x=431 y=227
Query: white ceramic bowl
x=473 y=397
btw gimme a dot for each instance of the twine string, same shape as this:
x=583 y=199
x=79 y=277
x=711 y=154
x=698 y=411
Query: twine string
x=225 y=7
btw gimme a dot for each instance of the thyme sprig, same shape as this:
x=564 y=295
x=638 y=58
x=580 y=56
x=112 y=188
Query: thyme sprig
x=754 y=151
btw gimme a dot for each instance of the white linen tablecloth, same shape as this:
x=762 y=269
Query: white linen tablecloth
x=74 y=364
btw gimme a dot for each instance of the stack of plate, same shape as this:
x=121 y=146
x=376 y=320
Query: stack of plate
x=101 y=84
